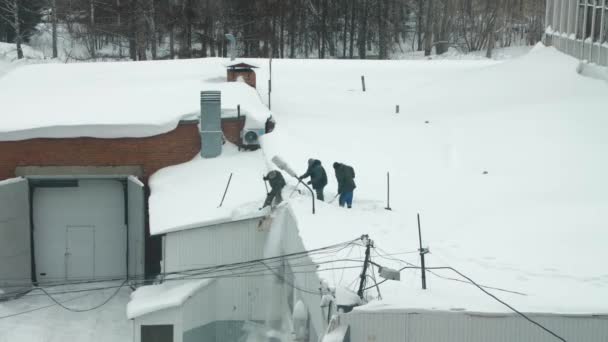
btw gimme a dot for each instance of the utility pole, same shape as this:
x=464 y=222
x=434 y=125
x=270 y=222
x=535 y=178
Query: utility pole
x=422 y=251
x=368 y=246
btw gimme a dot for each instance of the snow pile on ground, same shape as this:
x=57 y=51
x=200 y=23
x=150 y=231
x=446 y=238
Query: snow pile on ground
x=108 y=100
x=188 y=195
x=503 y=161
x=499 y=54
x=170 y=294
x=35 y=318
x=9 y=61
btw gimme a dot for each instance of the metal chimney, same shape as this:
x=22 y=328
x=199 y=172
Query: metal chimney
x=211 y=124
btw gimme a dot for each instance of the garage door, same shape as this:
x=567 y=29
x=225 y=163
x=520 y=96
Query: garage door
x=79 y=230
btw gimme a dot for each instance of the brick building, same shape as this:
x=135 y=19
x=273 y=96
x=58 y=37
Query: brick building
x=74 y=177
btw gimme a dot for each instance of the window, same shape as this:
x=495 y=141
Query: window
x=157 y=333
x=590 y=23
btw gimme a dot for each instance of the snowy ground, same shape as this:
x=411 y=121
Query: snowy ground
x=502 y=159
x=46 y=322
x=534 y=223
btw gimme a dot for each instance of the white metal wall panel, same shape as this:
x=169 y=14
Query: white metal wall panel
x=15 y=252
x=220 y=244
x=167 y=316
x=465 y=327
x=136 y=223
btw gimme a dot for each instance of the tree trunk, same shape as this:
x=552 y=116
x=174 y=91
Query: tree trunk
x=428 y=32
x=93 y=33
x=54 y=27
x=362 y=41
x=172 y=40
x=345 y=28
x=17 y=24
x=150 y=16
x=353 y=15
x=419 y=24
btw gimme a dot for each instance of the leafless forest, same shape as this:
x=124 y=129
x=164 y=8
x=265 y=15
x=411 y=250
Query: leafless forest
x=160 y=29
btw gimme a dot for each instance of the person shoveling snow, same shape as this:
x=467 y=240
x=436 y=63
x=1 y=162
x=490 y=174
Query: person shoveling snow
x=277 y=183
x=318 y=177
x=345 y=175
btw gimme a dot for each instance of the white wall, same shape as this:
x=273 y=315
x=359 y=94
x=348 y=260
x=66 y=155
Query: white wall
x=167 y=316
x=468 y=327
x=214 y=245
x=233 y=297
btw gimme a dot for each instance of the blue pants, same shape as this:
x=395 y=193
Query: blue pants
x=346 y=198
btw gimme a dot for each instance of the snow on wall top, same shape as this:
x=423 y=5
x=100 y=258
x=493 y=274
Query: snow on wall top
x=503 y=161
x=108 y=100
x=170 y=294
x=188 y=195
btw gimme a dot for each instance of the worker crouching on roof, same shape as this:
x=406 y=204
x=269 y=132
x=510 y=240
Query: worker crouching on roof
x=277 y=183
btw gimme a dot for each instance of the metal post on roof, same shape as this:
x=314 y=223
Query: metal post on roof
x=422 y=251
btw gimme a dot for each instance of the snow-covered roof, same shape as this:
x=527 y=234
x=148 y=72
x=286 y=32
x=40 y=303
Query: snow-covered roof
x=108 y=100
x=170 y=294
x=188 y=195
x=502 y=160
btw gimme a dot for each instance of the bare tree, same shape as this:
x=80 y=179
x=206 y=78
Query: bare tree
x=12 y=8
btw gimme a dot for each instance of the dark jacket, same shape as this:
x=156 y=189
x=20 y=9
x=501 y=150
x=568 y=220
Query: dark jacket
x=316 y=172
x=345 y=175
x=276 y=180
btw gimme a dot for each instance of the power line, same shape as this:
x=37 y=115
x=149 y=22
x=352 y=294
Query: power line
x=41 y=308
x=84 y=310
x=190 y=274
x=298 y=255
x=487 y=293
x=447 y=278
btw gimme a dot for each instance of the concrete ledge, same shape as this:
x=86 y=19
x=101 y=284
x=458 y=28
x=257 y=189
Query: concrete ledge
x=28 y=171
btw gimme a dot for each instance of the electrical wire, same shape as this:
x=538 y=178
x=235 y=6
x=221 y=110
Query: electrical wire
x=501 y=302
x=217 y=270
x=291 y=256
x=84 y=310
x=42 y=307
x=447 y=278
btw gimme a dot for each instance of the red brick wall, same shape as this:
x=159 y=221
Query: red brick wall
x=232 y=129
x=248 y=76
x=151 y=153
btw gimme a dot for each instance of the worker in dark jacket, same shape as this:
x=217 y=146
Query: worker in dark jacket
x=345 y=175
x=318 y=177
x=277 y=183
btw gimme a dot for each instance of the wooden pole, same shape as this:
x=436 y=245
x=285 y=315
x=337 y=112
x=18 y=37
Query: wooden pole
x=422 y=253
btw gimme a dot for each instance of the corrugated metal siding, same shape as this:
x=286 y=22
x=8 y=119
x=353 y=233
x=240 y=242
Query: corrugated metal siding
x=242 y=298
x=466 y=327
x=214 y=245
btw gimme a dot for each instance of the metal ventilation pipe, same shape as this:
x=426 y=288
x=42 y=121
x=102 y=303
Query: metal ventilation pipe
x=211 y=124
x=232 y=41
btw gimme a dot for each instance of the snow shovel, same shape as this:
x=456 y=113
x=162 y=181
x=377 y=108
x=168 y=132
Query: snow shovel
x=333 y=199
x=281 y=164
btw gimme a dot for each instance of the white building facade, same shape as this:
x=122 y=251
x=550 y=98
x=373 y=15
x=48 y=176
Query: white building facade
x=579 y=28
